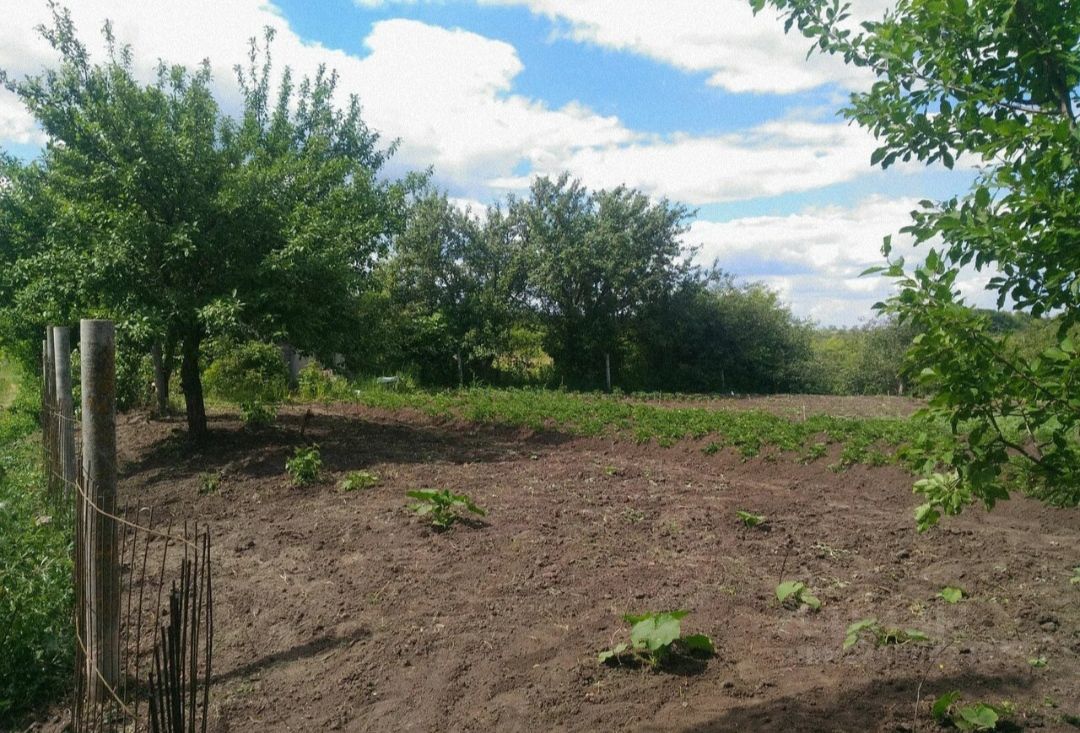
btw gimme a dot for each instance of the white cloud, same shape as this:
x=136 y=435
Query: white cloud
x=737 y=50
x=768 y=160
x=740 y=52
x=814 y=258
x=448 y=95
x=16 y=124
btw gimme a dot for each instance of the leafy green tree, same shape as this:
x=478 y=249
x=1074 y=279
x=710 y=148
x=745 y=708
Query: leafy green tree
x=993 y=82
x=596 y=262
x=713 y=335
x=464 y=277
x=152 y=207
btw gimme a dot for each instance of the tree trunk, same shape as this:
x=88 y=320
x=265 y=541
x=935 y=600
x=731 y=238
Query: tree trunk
x=163 y=366
x=191 y=382
x=460 y=372
x=607 y=370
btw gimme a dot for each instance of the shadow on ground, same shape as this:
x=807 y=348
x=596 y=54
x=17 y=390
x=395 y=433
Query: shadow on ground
x=822 y=711
x=346 y=443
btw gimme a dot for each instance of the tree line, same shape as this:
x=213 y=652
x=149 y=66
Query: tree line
x=192 y=228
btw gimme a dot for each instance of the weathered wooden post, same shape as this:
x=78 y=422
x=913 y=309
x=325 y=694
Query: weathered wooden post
x=52 y=465
x=66 y=410
x=607 y=370
x=45 y=406
x=97 y=349
x=291 y=357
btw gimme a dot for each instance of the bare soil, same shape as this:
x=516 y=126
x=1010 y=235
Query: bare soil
x=343 y=611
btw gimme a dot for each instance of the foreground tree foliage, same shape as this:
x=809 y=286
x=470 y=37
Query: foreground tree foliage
x=152 y=207
x=991 y=82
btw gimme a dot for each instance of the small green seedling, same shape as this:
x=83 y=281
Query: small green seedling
x=1038 y=662
x=794 y=593
x=443 y=506
x=305 y=466
x=209 y=483
x=882 y=635
x=711 y=449
x=949 y=594
x=357 y=480
x=750 y=520
x=655 y=638
x=978 y=716
x=1075 y=579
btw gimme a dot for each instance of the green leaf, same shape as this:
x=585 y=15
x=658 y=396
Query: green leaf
x=612 y=653
x=851 y=636
x=699 y=643
x=656 y=632
x=810 y=600
x=951 y=594
x=940 y=709
x=749 y=519
x=789 y=588
x=913 y=635
x=977 y=717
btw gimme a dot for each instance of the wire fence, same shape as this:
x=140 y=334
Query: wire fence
x=143 y=616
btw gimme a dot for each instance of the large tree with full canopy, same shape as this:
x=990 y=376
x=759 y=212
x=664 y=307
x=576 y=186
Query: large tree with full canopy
x=151 y=206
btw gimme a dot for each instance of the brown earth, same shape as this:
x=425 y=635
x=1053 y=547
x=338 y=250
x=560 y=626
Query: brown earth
x=343 y=611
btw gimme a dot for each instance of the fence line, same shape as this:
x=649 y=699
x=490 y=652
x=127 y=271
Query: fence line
x=143 y=614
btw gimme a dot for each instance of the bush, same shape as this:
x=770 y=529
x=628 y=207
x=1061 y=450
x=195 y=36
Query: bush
x=252 y=375
x=305 y=467
x=316 y=384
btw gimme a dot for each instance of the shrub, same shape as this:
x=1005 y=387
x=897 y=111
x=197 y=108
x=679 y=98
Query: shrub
x=252 y=375
x=316 y=384
x=305 y=466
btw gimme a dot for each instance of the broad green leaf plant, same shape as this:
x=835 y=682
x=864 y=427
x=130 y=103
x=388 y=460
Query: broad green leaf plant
x=881 y=635
x=655 y=638
x=973 y=717
x=442 y=507
x=795 y=593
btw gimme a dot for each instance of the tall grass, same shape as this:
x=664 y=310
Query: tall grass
x=36 y=642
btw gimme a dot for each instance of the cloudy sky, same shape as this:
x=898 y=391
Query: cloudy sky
x=698 y=101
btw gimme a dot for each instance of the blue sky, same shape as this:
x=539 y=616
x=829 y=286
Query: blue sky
x=697 y=101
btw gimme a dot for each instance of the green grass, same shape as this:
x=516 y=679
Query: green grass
x=36 y=642
x=863 y=440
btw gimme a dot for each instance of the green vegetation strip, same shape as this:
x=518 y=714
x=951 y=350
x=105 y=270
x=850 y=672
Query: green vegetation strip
x=864 y=440
x=36 y=599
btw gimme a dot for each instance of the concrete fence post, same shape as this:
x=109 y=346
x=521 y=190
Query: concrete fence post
x=98 y=359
